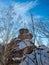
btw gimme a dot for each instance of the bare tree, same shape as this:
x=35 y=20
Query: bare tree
x=40 y=31
x=8 y=30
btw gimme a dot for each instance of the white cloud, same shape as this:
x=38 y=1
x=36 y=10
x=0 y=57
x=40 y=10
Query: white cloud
x=37 y=17
x=23 y=8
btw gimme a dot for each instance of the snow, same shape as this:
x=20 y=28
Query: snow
x=24 y=43
x=30 y=57
x=44 y=57
x=44 y=60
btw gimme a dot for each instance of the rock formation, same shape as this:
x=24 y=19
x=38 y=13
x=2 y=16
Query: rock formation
x=14 y=56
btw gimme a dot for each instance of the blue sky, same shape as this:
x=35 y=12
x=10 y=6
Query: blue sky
x=42 y=7
x=39 y=8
